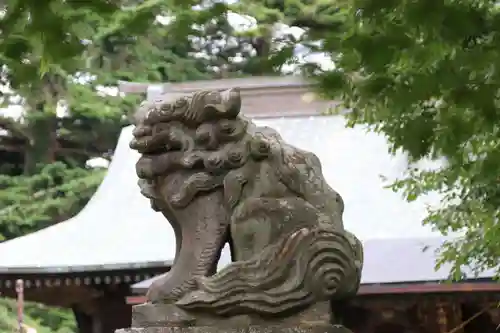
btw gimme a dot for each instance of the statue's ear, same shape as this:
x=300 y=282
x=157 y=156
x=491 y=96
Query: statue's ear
x=232 y=99
x=214 y=109
x=229 y=107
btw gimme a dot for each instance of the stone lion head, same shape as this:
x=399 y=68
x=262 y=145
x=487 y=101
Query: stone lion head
x=201 y=135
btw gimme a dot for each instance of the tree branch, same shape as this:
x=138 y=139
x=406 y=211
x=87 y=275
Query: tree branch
x=310 y=23
x=14 y=127
x=11 y=147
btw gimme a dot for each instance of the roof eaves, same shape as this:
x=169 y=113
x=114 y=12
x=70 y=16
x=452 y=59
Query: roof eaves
x=84 y=268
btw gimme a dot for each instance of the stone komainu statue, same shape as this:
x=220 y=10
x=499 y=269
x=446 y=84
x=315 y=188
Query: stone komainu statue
x=218 y=178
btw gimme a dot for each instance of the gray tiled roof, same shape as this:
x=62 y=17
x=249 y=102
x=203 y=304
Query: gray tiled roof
x=118 y=229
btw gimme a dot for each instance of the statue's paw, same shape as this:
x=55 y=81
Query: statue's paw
x=160 y=292
x=154 y=295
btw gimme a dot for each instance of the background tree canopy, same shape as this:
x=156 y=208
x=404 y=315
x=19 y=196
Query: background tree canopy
x=424 y=73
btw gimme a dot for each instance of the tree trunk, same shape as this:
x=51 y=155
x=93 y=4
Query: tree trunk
x=42 y=148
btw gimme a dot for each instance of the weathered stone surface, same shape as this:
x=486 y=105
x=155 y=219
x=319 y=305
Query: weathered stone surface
x=241 y=329
x=169 y=315
x=219 y=178
x=147 y=315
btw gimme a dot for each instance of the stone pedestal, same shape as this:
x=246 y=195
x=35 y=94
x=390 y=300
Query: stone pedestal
x=248 y=329
x=165 y=318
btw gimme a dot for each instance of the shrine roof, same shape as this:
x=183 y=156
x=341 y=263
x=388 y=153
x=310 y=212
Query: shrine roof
x=117 y=229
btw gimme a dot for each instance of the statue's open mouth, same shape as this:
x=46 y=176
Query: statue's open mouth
x=152 y=141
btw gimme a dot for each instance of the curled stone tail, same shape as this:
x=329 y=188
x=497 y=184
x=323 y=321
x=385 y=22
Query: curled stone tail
x=308 y=266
